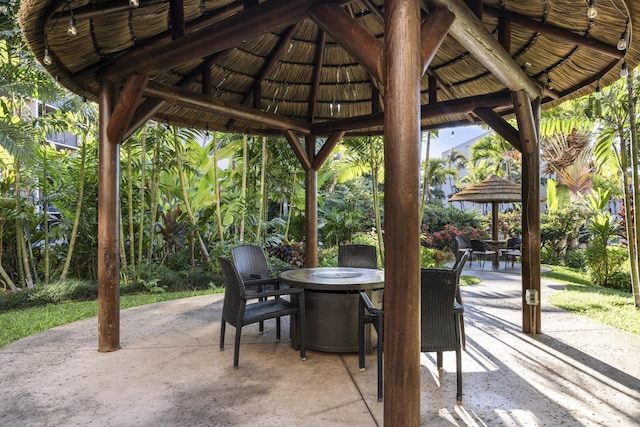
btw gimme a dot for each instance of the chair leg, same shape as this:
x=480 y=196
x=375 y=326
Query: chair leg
x=236 y=350
x=439 y=360
x=223 y=324
x=278 y=323
x=380 y=330
x=459 y=376
x=361 y=327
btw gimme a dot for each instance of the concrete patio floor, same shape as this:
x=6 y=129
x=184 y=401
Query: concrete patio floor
x=170 y=372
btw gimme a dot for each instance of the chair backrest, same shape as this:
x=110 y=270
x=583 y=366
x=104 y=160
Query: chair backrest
x=478 y=245
x=359 y=256
x=514 y=243
x=438 y=330
x=251 y=261
x=461 y=260
x=462 y=243
x=234 y=292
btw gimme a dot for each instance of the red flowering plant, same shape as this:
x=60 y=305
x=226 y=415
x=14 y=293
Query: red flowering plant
x=445 y=238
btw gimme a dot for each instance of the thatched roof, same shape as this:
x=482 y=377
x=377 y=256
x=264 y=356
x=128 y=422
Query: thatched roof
x=244 y=59
x=492 y=190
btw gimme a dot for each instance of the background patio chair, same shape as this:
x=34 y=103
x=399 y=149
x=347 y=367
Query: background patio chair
x=238 y=312
x=462 y=245
x=480 y=249
x=359 y=256
x=441 y=317
x=513 y=251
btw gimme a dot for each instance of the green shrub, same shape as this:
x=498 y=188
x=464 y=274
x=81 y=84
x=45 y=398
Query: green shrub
x=620 y=279
x=575 y=258
x=549 y=256
x=602 y=261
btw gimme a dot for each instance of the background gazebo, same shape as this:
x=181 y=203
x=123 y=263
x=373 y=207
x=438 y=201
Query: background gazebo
x=313 y=71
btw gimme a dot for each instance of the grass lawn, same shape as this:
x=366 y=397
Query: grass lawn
x=608 y=306
x=22 y=323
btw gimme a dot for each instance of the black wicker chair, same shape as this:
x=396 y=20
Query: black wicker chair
x=441 y=317
x=253 y=267
x=430 y=341
x=462 y=245
x=513 y=251
x=238 y=312
x=369 y=314
x=359 y=256
x=480 y=249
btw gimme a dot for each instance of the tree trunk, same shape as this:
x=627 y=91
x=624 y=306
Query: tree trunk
x=22 y=246
x=132 y=246
x=376 y=198
x=143 y=163
x=634 y=238
x=217 y=188
x=187 y=204
x=45 y=212
x=263 y=188
x=243 y=189
x=76 y=219
x=153 y=202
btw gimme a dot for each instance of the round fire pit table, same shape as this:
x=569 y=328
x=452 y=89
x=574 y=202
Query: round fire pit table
x=331 y=304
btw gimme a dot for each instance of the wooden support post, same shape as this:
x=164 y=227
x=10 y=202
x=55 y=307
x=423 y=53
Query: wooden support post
x=108 y=230
x=402 y=233
x=529 y=136
x=311 y=207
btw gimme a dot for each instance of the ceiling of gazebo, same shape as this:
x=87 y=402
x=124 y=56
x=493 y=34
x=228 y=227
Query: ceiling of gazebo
x=265 y=66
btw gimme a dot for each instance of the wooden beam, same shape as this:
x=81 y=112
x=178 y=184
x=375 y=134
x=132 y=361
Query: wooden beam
x=319 y=60
x=326 y=149
x=551 y=31
x=244 y=25
x=528 y=123
x=500 y=126
x=455 y=106
x=356 y=40
x=298 y=149
x=433 y=32
x=311 y=207
x=188 y=99
x=374 y=9
x=471 y=33
x=402 y=233
x=108 y=226
x=504 y=34
x=176 y=12
x=128 y=101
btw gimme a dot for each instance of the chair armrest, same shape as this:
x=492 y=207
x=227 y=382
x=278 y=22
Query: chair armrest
x=276 y=293
x=368 y=305
x=259 y=281
x=457 y=307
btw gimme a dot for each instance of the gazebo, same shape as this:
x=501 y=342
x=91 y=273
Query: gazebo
x=313 y=71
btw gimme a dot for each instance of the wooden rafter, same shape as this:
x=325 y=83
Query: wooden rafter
x=326 y=149
x=471 y=33
x=452 y=107
x=196 y=101
x=319 y=61
x=552 y=31
x=176 y=11
x=432 y=33
x=356 y=40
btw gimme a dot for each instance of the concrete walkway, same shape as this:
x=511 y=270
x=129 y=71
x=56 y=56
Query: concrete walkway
x=170 y=372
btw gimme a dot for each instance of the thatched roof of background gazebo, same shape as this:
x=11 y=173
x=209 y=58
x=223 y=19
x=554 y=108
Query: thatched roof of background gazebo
x=491 y=190
x=272 y=58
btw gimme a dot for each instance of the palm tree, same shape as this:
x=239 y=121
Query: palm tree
x=499 y=157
